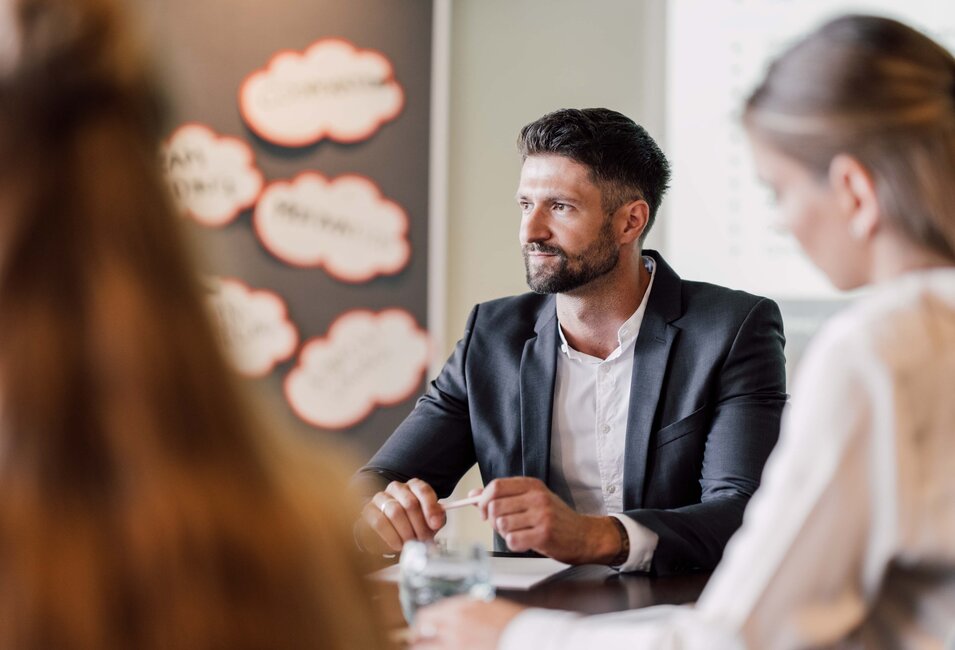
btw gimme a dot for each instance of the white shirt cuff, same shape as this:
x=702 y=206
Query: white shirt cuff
x=541 y=629
x=643 y=543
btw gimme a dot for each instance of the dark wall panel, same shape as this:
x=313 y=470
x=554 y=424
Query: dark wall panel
x=206 y=48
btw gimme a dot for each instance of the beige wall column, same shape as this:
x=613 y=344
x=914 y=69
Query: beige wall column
x=511 y=62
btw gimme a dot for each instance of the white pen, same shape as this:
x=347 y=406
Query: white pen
x=460 y=503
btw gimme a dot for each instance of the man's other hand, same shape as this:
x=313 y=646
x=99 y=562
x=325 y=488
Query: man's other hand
x=403 y=512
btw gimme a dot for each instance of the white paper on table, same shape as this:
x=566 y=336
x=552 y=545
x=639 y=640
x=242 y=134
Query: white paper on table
x=519 y=573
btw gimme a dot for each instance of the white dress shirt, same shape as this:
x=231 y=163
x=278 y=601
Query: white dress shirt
x=589 y=431
x=850 y=541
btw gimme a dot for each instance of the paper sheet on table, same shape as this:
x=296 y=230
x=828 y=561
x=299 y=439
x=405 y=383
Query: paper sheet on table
x=519 y=573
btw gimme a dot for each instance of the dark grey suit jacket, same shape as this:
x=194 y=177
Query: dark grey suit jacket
x=706 y=399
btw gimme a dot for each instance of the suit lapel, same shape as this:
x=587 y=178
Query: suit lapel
x=538 y=371
x=650 y=354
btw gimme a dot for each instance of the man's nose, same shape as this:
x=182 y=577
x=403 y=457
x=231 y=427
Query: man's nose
x=534 y=226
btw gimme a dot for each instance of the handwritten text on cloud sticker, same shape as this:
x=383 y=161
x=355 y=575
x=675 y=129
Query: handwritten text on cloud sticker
x=367 y=359
x=332 y=89
x=253 y=325
x=343 y=224
x=213 y=178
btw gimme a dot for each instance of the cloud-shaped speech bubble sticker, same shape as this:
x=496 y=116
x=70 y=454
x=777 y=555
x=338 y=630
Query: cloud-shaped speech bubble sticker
x=253 y=326
x=344 y=224
x=366 y=360
x=212 y=177
x=332 y=89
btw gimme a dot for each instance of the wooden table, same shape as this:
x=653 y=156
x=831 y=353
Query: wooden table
x=592 y=589
x=588 y=589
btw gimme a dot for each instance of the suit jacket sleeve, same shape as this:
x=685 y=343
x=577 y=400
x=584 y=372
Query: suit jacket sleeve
x=750 y=397
x=434 y=442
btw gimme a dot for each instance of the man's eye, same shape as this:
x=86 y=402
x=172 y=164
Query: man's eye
x=560 y=207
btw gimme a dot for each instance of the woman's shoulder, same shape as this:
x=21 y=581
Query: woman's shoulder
x=906 y=321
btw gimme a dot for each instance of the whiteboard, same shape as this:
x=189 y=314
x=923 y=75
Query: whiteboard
x=720 y=221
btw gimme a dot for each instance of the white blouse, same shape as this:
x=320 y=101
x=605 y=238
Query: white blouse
x=850 y=541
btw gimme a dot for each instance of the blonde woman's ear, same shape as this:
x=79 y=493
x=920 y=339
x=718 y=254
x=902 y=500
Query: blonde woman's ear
x=855 y=195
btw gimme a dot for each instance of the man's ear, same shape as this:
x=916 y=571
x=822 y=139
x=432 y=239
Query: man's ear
x=855 y=196
x=637 y=215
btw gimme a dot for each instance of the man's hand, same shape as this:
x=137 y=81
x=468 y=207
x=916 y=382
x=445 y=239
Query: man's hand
x=530 y=517
x=404 y=511
x=462 y=622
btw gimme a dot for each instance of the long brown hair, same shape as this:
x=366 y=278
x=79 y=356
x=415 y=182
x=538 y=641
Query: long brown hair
x=141 y=504
x=882 y=92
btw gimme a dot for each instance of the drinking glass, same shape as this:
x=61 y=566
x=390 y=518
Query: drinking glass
x=430 y=572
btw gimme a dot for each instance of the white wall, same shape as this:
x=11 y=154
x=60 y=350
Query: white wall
x=511 y=62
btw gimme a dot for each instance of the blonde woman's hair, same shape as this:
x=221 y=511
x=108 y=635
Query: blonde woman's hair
x=883 y=93
x=142 y=504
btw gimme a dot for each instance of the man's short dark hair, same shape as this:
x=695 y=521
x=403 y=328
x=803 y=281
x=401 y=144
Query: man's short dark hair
x=624 y=161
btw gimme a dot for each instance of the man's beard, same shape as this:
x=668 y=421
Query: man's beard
x=597 y=260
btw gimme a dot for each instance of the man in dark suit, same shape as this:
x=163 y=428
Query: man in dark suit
x=618 y=414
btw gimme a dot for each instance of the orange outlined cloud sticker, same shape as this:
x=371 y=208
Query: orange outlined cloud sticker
x=212 y=177
x=344 y=225
x=253 y=326
x=331 y=90
x=367 y=359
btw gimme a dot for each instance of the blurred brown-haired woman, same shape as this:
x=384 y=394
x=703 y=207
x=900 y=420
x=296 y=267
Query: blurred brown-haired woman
x=141 y=506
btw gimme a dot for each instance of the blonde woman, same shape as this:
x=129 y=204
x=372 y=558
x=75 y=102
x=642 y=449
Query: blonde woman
x=142 y=504
x=850 y=542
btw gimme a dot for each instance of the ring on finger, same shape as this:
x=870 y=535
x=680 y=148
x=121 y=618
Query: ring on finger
x=386 y=503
